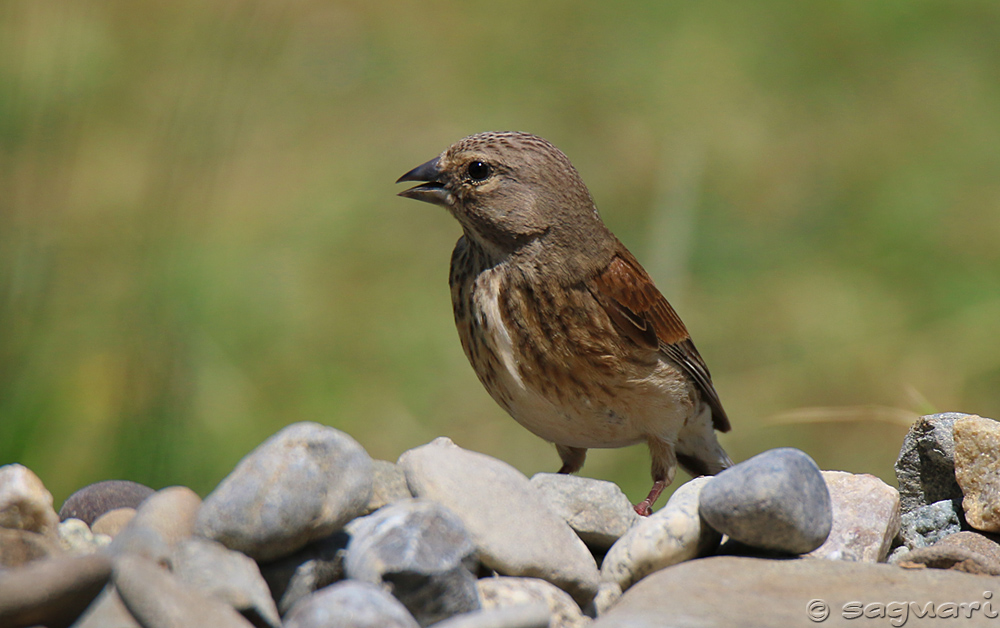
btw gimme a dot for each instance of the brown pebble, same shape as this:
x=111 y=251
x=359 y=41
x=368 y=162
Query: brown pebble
x=113 y=521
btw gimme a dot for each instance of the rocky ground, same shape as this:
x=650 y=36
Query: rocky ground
x=308 y=531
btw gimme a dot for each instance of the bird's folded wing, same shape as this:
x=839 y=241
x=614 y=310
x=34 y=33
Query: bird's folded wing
x=634 y=304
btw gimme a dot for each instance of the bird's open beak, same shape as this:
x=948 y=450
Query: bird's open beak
x=433 y=191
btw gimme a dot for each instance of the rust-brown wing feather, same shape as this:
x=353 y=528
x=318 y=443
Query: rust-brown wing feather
x=637 y=308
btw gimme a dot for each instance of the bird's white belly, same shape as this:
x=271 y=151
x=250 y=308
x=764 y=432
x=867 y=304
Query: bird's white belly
x=646 y=409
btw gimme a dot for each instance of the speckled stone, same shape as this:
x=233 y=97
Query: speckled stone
x=775 y=501
x=350 y=604
x=92 y=501
x=506 y=592
x=865 y=518
x=515 y=532
x=925 y=468
x=300 y=485
x=76 y=537
x=977 y=470
x=671 y=535
x=929 y=524
x=25 y=503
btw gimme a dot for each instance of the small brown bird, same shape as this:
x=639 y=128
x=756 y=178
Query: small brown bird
x=560 y=322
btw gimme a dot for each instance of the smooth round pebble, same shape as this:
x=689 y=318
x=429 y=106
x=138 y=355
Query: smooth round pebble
x=302 y=484
x=350 y=604
x=92 y=501
x=776 y=501
x=112 y=522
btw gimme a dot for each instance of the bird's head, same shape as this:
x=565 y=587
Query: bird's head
x=509 y=190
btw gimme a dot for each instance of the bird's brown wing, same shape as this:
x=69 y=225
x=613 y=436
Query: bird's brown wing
x=633 y=303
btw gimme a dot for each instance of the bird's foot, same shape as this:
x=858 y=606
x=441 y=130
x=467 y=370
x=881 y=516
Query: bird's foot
x=645 y=507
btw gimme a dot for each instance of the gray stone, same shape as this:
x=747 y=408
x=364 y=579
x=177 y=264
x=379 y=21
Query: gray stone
x=533 y=615
x=598 y=511
x=315 y=566
x=672 y=534
x=607 y=596
x=226 y=575
x=388 y=486
x=90 y=502
x=865 y=518
x=107 y=611
x=506 y=592
x=928 y=524
x=158 y=600
x=25 y=503
x=515 y=532
x=727 y=591
x=51 y=592
x=977 y=470
x=300 y=485
x=775 y=501
x=76 y=538
x=925 y=467
x=141 y=541
x=421 y=550
x=113 y=521
x=350 y=604
x=19 y=547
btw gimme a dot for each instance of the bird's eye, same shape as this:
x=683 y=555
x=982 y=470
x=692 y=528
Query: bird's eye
x=479 y=170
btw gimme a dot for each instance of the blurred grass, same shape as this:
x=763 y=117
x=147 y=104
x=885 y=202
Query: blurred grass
x=199 y=241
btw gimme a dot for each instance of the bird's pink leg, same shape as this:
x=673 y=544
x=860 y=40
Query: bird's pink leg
x=644 y=508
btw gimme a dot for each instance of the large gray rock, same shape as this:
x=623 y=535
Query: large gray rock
x=775 y=501
x=421 y=550
x=672 y=534
x=728 y=591
x=350 y=604
x=226 y=575
x=508 y=592
x=317 y=565
x=977 y=470
x=51 y=592
x=929 y=524
x=515 y=532
x=925 y=467
x=865 y=518
x=158 y=600
x=300 y=485
x=598 y=511
x=92 y=501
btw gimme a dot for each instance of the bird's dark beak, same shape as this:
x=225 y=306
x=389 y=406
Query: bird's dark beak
x=431 y=192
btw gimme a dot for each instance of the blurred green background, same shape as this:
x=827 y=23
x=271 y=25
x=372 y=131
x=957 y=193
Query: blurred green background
x=200 y=242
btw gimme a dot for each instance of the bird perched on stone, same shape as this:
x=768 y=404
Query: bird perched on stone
x=560 y=322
